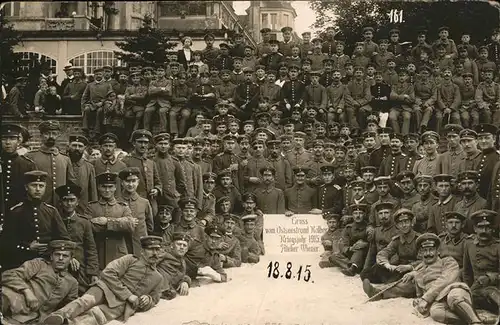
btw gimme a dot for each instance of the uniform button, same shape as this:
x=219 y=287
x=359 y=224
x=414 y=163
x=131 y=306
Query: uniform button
x=9 y=161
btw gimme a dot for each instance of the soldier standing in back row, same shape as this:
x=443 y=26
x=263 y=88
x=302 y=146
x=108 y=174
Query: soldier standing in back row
x=486 y=139
x=83 y=170
x=50 y=160
x=13 y=168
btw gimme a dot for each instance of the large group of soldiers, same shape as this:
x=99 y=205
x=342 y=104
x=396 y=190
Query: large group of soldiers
x=119 y=221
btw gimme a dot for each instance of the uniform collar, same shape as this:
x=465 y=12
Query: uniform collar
x=111 y=161
x=446 y=201
x=132 y=197
x=136 y=155
x=409 y=238
x=51 y=150
x=447 y=238
x=104 y=202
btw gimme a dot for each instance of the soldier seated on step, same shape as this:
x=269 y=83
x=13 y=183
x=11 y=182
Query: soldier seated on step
x=330 y=239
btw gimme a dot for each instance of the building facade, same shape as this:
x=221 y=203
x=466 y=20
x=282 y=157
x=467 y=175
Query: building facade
x=271 y=14
x=84 y=33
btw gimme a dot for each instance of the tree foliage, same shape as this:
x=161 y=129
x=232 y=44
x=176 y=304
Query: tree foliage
x=147 y=46
x=350 y=16
x=9 y=60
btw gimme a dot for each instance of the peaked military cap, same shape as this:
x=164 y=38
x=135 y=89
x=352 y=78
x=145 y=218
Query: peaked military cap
x=209 y=177
x=468 y=134
x=10 y=130
x=358 y=207
x=108 y=138
x=454 y=215
x=273 y=143
x=248 y=197
x=405 y=174
x=327 y=168
x=430 y=135
x=397 y=136
x=299 y=169
x=274 y=41
x=424 y=178
x=35 y=176
x=367 y=29
x=330 y=215
x=179 y=141
x=165 y=208
x=384 y=206
x=286 y=29
x=209 y=36
x=385 y=130
x=443 y=178
x=106 y=178
x=467 y=75
x=61 y=245
x=188 y=202
x=214 y=231
x=306 y=61
x=412 y=136
x=369 y=169
x=129 y=171
x=468 y=175
x=442 y=28
x=78 y=138
x=151 y=241
x=224 y=45
x=484 y=218
x=382 y=180
x=357 y=183
x=249 y=217
x=140 y=134
x=68 y=189
x=428 y=240
x=403 y=213
x=49 y=125
x=267 y=169
x=161 y=137
x=485 y=128
x=383 y=41
x=181 y=236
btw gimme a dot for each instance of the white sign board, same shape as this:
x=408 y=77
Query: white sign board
x=296 y=235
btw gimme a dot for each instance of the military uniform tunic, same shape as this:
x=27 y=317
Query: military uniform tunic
x=111 y=238
x=51 y=289
x=405 y=246
x=112 y=165
x=421 y=210
x=149 y=177
x=350 y=235
x=283 y=177
x=300 y=199
x=173 y=270
x=298 y=158
x=13 y=168
x=142 y=211
x=453 y=247
x=392 y=165
x=250 y=248
x=378 y=155
x=85 y=175
x=232 y=253
x=329 y=197
x=223 y=161
x=171 y=177
x=382 y=236
x=426 y=166
x=494 y=193
x=270 y=200
x=489 y=159
x=80 y=231
x=407 y=202
x=373 y=217
x=467 y=207
x=58 y=166
x=437 y=222
x=26 y=222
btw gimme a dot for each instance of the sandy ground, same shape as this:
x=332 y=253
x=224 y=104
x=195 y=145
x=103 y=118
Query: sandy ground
x=250 y=297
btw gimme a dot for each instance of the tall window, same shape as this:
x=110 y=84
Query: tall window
x=286 y=19
x=11 y=9
x=90 y=61
x=30 y=59
x=274 y=21
x=265 y=20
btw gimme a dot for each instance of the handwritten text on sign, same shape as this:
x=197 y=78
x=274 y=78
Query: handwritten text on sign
x=299 y=234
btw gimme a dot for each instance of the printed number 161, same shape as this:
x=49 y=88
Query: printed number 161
x=395 y=16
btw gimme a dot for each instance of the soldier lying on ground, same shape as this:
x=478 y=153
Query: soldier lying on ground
x=38 y=287
x=330 y=239
x=127 y=285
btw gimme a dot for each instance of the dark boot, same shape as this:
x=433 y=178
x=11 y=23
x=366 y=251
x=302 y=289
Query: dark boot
x=467 y=313
x=370 y=290
x=338 y=262
x=350 y=271
x=54 y=319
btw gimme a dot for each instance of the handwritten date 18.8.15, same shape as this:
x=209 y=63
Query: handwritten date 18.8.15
x=300 y=273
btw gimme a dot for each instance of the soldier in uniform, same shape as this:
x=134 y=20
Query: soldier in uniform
x=135 y=101
x=421 y=209
x=250 y=248
x=368 y=173
x=140 y=207
x=453 y=239
x=471 y=201
x=329 y=43
x=440 y=293
x=394 y=163
x=263 y=48
x=246 y=95
x=109 y=161
x=299 y=155
x=159 y=98
x=84 y=265
x=429 y=164
x=331 y=239
x=494 y=194
x=384 y=150
x=225 y=187
x=170 y=172
x=280 y=164
x=329 y=196
x=300 y=198
x=210 y=53
x=112 y=220
x=269 y=199
x=163 y=224
x=355 y=242
x=83 y=170
x=39 y=286
x=468 y=142
x=406 y=184
x=227 y=160
x=92 y=101
x=486 y=141
x=482 y=261
x=230 y=249
x=383 y=189
x=447 y=202
x=488 y=97
x=50 y=160
x=404 y=247
x=13 y=168
x=382 y=236
x=411 y=141
x=127 y=285
x=251 y=171
x=30 y=224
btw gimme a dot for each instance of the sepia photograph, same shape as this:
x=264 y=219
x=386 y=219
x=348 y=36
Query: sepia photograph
x=322 y=162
